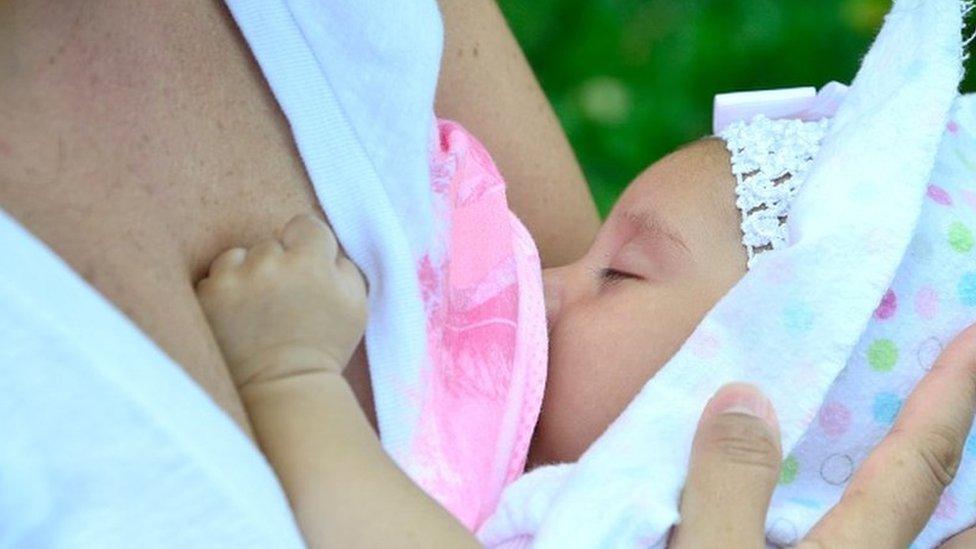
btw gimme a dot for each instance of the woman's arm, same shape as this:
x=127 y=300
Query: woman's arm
x=487 y=85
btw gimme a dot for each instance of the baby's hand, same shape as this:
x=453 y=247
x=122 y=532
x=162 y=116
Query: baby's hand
x=285 y=307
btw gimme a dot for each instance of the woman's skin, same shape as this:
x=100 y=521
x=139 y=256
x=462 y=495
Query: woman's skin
x=487 y=85
x=138 y=139
x=115 y=150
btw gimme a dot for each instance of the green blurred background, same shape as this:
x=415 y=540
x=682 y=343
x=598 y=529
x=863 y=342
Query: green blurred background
x=632 y=79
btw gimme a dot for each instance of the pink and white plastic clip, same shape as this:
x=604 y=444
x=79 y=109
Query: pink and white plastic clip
x=800 y=103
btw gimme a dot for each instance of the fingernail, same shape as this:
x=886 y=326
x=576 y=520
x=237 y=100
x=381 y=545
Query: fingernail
x=741 y=398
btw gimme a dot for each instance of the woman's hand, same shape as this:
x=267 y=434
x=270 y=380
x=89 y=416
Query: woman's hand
x=736 y=458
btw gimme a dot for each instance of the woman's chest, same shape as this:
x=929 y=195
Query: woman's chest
x=139 y=155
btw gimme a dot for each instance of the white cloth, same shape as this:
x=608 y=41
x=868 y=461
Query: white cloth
x=105 y=441
x=356 y=81
x=802 y=314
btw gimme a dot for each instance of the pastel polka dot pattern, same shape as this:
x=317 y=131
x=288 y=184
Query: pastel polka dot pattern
x=837 y=469
x=917 y=312
x=952 y=127
x=969 y=197
x=886 y=407
x=960 y=237
x=783 y=532
x=888 y=306
x=927 y=302
x=939 y=195
x=834 y=419
x=797 y=318
x=967 y=289
x=927 y=352
x=883 y=355
x=789 y=470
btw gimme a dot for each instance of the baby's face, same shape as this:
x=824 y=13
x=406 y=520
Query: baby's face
x=667 y=253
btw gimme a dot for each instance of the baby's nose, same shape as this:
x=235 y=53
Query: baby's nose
x=554 y=289
x=558 y=290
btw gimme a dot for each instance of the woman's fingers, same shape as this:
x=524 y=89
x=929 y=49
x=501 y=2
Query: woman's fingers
x=897 y=488
x=736 y=455
x=735 y=462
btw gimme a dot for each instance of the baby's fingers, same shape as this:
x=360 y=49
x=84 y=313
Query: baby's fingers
x=894 y=493
x=348 y=270
x=263 y=254
x=734 y=467
x=307 y=233
x=228 y=260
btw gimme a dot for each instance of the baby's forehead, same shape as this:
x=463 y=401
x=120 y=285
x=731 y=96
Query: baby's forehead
x=690 y=194
x=699 y=171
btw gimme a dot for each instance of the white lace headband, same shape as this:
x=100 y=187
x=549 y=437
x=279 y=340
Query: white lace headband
x=770 y=159
x=773 y=136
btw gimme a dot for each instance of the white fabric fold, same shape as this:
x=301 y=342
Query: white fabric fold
x=356 y=81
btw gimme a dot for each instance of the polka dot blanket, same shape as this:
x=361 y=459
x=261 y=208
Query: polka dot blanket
x=837 y=328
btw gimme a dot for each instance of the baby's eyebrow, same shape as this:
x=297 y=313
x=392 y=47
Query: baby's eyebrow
x=651 y=225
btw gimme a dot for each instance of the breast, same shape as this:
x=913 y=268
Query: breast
x=138 y=152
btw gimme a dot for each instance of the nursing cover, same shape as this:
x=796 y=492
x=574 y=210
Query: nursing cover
x=805 y=323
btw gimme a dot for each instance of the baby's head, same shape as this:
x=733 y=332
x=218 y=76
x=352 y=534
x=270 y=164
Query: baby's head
x=665 y=255
x=670 y=249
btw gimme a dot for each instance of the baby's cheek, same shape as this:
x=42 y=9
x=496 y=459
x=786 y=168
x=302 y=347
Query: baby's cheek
x=601 y=356
x=595 y=370
x=580 y=371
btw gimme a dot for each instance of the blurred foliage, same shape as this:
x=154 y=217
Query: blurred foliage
x=633 y=79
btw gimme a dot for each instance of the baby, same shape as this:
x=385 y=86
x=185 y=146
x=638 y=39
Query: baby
x=288 y=313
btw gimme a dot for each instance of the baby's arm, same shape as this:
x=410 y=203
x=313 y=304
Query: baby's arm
x=287 y=314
